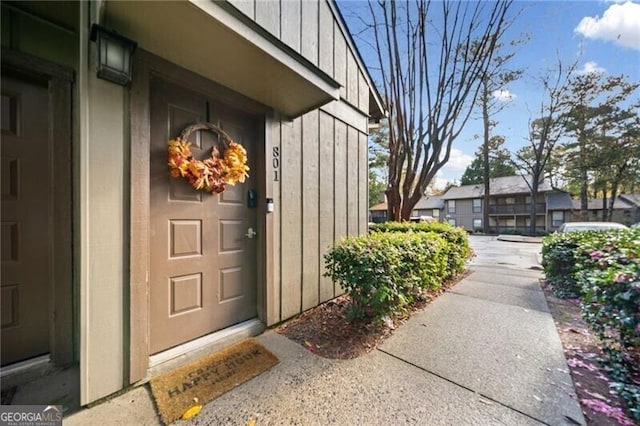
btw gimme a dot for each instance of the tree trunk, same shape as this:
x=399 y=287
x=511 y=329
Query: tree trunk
x=614 y=192
x=584 y=175
x=610 y=209
x=393 y=205
x=533 y=213
x=485 y=159
x=584 y=196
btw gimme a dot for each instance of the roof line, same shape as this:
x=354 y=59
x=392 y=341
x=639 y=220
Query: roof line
x=354 y=48
x=298 y=57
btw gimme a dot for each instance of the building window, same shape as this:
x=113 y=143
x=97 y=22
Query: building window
x=477 y=205
x=451 y=206
x=527 y=199
x=452 y=222
x=507 y=222
x=510 y=200
x=557 y=219
x=477 y=224
x=436 y=213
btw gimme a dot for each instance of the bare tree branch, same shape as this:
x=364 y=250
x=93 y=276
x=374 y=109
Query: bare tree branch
x=431 y=80
x=544 y=132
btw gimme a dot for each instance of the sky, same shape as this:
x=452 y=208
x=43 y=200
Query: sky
x=603 y=36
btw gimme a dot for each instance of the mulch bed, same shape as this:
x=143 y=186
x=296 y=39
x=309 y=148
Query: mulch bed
x=325 y=331
x=582 y=350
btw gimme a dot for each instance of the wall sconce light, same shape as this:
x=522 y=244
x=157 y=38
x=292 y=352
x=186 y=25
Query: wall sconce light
x=114 y=55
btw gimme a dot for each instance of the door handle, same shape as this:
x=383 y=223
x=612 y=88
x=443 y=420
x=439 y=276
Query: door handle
x=250 y=233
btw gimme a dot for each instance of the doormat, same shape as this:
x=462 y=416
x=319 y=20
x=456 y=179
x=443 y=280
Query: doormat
x=209 y=377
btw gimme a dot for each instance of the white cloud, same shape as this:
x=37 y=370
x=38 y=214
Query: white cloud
x=458 y=162
x=503 y=95
x=592 y=67
x=440 y=183
x=454 y=169
x=620 y=24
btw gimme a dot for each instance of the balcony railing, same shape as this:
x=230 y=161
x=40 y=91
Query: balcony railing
x=516 y=230
x=515 y=208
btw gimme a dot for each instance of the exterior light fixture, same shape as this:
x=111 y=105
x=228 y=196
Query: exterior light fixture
x=114 y=55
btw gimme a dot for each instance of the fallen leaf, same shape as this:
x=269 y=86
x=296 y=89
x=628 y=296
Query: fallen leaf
x=192 y=411
x=597 y=395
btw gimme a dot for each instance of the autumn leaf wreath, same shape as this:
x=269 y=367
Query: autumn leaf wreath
x=214 y=173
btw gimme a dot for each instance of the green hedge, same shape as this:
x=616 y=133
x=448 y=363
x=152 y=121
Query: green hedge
x=458 y=250
x=559 y=262
x=382 y=272
x=602 y=268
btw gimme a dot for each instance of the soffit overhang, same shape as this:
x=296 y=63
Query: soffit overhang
x=218 y=42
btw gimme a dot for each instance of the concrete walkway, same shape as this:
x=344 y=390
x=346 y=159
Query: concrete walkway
x=484 y=353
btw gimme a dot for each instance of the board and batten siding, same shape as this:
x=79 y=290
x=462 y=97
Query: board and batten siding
x=326 y=219
x=311 y=28
x=320 y=194
x=318 y=167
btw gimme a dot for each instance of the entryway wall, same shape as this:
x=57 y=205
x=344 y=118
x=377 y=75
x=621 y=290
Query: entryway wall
x=151 y=68
x=112 y=344
x=102 y=232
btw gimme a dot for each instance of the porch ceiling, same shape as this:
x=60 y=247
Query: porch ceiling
x=217 y=42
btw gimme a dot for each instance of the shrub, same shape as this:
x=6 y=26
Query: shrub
x=383 y=271
x=458 y=249
x=608 y=269
x=603 y=269
x=561 y=254
x=559 y=262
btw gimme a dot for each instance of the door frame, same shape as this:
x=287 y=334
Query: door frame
x=63 y=331
x=137 y=314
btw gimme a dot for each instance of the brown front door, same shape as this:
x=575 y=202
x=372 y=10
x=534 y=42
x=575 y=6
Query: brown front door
x=203 y=252
x=26 y=214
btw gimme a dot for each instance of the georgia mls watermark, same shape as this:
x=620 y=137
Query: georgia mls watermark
x=30 y=415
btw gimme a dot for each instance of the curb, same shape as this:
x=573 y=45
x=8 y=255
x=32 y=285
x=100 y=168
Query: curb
x=519 y=239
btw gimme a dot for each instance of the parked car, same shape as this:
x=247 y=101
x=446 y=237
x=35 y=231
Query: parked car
x=422 y=219
x=636 y=225
x=589 y=226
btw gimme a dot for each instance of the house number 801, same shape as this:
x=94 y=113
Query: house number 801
x=276 y=163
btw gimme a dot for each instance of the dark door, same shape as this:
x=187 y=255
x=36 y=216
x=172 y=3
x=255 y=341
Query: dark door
x=203 y=250
x=26 y=220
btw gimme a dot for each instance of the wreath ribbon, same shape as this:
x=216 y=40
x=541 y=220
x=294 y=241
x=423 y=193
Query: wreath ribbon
x=215 y=172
